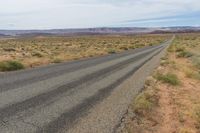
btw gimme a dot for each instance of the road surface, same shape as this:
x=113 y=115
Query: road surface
x=67 y=97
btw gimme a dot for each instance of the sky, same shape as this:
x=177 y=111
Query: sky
x=59 y=14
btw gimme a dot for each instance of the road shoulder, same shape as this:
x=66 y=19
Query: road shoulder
x=170 y=101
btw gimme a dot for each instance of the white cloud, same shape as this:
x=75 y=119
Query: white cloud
x=39 y=14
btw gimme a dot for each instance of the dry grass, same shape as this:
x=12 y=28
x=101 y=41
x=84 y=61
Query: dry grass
x=169 y=78
x=10 y=66
x=44 y=50
x=145 y=102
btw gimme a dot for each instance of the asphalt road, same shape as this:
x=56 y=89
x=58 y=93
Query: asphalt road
x=55 y=98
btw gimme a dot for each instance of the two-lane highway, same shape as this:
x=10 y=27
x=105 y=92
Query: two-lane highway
x=54 y=98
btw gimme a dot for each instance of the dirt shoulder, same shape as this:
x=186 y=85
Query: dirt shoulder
x=170 y=100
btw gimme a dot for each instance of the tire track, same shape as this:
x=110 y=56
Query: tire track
x=44 y=98
x=25 y=77
x=70 y=117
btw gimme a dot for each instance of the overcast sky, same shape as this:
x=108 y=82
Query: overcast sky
x=54 y=14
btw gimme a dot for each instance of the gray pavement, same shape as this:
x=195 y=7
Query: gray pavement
x=57 y=98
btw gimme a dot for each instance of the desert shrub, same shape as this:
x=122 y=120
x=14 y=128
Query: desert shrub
x=151 y=44
x=138 y=45
x=144 y=102
x=197 y=64
x=57 y=60
x=193 y=74
x=132 y=47
x=197 y=115
x=168 y=78
x=123 y=48
x=180 y=49
x=10 y=66
x=164 y=58
x=181 y=117
x=184 y=54
x=185 y=130
x=111 y=51
x=196 y=61
x=171 y=48
x=150 y=81
x=9 y=49
x=37 y=54
x=164 y=62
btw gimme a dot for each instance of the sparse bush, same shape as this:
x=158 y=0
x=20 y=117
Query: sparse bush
x=57 y=60
x=184 y=54
x=185 y=130
x=10 y=66
x=171 y=48
x=111 y=51
x=150 y=81
x=164 y=63
x=197 y=65
x=192 y=74
x=123 y=48
x=145 y=101
x=37 y=54
x=197 y=115
x=180 y=49
x=142 y=104
x=181 y=117
x=168 y=78
x=132 y=47
x=9 y=49
x=196 y=61
x=164 y=58
x=151 y=44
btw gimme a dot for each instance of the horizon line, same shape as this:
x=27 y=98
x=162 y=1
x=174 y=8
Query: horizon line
x=114 y=27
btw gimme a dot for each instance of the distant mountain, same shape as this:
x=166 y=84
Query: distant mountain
x=3 y=35
x=185 y=29
x=75 y=31
x=97 y=31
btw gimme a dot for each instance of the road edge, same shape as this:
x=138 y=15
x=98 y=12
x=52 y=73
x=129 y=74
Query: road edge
x=110 y=118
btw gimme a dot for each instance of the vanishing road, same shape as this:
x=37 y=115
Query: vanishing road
x=78 y=96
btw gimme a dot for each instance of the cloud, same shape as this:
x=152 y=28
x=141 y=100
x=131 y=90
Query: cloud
x=190 y=15
x=45 y=14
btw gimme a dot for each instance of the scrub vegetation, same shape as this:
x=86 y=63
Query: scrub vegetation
x=10 y=65
x=169 y=78
x=42 y=50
